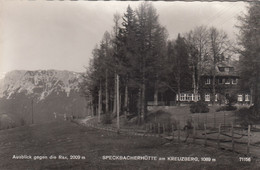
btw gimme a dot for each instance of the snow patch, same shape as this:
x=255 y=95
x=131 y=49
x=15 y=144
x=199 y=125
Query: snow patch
x=40 y=83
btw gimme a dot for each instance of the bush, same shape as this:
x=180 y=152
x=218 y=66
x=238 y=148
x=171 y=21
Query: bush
x=246 y=117
x=199 y=107
x=107 y=119
x=226 y=108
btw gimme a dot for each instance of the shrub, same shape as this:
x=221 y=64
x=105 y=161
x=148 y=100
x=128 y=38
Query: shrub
x=199 y=107
x=226 y=108
x=107 y=119
x=246 y=117
x=231 y=99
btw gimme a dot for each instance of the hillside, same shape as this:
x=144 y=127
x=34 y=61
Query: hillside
x=45 y=93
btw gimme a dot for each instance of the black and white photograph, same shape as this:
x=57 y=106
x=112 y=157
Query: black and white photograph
x=129 y=85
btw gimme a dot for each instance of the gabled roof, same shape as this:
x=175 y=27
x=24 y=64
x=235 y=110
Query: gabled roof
x=226 y=72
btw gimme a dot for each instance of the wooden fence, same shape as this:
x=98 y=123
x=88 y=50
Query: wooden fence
x=222 y=134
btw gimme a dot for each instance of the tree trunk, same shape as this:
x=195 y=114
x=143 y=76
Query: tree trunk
x=155 y=98
x=143 y=101
x=114 y=108
x=143 y=97
x=106 y=91
x=99 y=102
x=194 y=85
x=213 y=88
x=197 y=87
x=117 y=99
x=91 y=106
x=126 y=101
x=139 y=105
x=214 y=79
x=251 y=96
x=179 y=90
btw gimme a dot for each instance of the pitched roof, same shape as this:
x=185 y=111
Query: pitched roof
x=223 y=68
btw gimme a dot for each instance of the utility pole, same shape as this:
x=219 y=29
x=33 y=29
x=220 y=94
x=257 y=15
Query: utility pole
x=32 y=111
x=117 y=101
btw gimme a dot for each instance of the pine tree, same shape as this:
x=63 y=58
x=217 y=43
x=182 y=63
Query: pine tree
x=250 y=54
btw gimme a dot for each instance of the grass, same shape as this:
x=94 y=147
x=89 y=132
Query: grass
x=65 y=138
x=212 y=118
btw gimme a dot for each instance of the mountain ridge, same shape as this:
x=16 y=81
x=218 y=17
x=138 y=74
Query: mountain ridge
x=40 y=83
x=47 y=94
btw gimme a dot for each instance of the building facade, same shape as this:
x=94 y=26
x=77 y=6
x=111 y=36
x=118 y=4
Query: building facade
x=226 y=86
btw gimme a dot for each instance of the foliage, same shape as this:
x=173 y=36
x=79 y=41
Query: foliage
x=138 y=50
x=246 y=116
x=177 y=62
x=231 y=99
x=199 y=107
x=226 y=108
x=249 y=52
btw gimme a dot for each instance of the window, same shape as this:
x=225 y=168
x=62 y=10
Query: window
x=226 y=69
x=221 y=69
x=183 y=97
x=193 y=97
x=240 y=98
x=207 y=97
x=189 y=97
x=221 y=81
x=231 y=69
x=234 y=81
x=207 y=81
x=227 y=81
x=216 y=97
x=247 y=97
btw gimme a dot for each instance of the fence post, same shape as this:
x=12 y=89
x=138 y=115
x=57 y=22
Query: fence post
x=219 y=130
x=163 y=129
x=205 y=132
x=248 y=139
x=232 y=132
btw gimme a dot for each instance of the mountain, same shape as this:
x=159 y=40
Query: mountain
x=41 y=94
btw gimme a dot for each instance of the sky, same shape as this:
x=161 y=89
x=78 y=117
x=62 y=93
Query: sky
x=36 y=35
